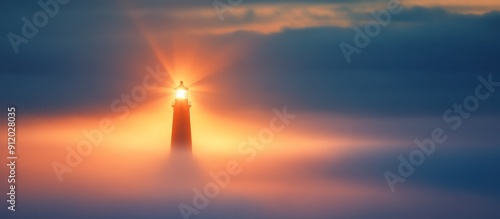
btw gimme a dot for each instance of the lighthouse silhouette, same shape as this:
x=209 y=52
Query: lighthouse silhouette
x=181 y=125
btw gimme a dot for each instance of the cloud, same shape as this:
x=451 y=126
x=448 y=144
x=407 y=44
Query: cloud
x=416 y=66
x=410 y=69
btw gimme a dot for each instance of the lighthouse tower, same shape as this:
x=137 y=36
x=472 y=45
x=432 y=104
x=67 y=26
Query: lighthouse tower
x=181 y=125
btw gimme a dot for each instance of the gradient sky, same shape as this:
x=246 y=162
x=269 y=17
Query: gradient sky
x=353 y=120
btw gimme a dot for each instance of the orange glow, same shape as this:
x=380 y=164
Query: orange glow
x=460 y=6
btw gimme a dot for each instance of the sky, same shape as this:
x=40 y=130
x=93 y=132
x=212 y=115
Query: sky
x=245 y=63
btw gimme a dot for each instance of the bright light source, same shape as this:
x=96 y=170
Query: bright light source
x=181 y=94
x=181 y=91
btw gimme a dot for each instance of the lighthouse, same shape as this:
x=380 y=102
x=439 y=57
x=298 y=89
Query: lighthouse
x=181 y=125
